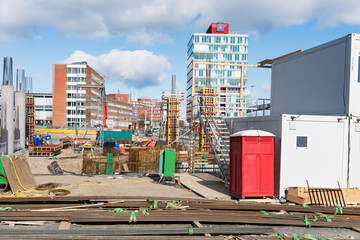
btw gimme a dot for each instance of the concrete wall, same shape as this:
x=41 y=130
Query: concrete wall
x=7 y=117
x=20 y=118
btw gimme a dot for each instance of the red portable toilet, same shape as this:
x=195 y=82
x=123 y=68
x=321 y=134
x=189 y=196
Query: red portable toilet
x=252 y=164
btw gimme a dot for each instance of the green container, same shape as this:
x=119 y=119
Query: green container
x=2 y=170
x=117 y=135
x=169 y=162
x=161 y=162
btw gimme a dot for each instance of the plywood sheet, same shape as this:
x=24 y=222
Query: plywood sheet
x=23 y=171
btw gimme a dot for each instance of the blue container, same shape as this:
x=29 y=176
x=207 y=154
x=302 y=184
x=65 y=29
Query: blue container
x=38 y=142
x=48 y=137
x=34 y=139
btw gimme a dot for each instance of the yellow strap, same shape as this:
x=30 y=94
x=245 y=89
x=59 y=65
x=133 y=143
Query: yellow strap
x=25 y=192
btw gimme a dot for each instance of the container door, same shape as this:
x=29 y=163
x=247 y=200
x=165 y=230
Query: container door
x=250 y=175
x=266 y=175
x=235 y=165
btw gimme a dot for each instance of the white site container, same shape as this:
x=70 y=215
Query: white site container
x=323 y=80
x=309 y=147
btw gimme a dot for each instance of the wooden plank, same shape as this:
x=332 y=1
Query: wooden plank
x=300 y=195
x=210 y=189
x=125 y=166
x=199 y=225
x=64 y=225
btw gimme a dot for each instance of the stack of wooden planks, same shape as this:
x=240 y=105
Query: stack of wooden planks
x=45 y=150
x=300 y=195
x=167 y=212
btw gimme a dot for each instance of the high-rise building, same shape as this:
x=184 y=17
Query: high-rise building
x=218 y=49
x=74 y=104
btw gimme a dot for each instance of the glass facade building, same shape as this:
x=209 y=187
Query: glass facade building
x=220 y=48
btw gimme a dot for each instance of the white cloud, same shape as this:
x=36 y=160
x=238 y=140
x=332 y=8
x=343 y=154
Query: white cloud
x=109 y=18
x=147 y=39
x=138 y=69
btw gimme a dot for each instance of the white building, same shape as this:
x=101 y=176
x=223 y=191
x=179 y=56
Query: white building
x=43 y=109
x=217 y=45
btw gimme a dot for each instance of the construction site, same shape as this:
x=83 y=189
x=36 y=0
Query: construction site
x=289 y=175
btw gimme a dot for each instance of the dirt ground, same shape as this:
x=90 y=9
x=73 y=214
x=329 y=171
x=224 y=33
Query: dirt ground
x=116 y=185
x=99 y=185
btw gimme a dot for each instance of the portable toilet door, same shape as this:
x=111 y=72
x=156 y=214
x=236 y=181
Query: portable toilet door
x=252 y=164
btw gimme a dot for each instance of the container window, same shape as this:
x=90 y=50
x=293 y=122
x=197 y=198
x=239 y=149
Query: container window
x=301 y=142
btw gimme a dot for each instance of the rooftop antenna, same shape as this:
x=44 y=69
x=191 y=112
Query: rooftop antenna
x=173 y=83
x=20 y=80
x=28 y=85
x=8 y=71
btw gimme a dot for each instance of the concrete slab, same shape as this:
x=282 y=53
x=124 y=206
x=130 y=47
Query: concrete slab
x=206 y=185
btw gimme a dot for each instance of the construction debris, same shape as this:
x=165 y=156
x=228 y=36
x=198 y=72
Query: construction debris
x=300 y=195
x=54 y=168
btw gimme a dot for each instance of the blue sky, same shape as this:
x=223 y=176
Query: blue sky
x=137 y=45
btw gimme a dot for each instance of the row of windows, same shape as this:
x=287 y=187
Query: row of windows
x=43 y=109
x=218 y=73
x=220 y=48
x=119 y=118
x=218 y=39
x=118 y=111
x=74 y=112
x=74 y=87
x=76 y=95
x=42 y=106
x=77 y=103
x=76 y=79
x=224 y=82
x=73 y=70
x=220 y=56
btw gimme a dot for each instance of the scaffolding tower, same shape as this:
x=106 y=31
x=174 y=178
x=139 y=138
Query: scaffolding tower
x=30 y=119
x=172 y=121
x=208 y=99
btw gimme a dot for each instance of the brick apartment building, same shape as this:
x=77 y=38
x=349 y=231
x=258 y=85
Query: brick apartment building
x=119 y=110
x=74 y=104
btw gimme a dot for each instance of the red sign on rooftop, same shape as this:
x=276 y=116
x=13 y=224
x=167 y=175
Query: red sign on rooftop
x=218 y=28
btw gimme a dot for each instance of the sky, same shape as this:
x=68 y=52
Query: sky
x=137 y=45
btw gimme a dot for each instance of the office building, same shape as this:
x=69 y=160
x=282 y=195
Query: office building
x=78 y=96
x=43 y=109
x=218 y=48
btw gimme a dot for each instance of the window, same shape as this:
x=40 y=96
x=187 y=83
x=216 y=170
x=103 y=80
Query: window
x=232 y=40
x=301 y=142
x=196 y=38
x=218 y=39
